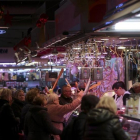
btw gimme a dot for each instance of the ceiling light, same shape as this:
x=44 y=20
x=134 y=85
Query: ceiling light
x=104 y=39
x=99 y=41
x=2 y=31
x=76 y=48
x=123 y=38
x=127 y=26
x=121 y=47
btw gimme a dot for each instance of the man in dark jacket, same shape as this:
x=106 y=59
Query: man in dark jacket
x=65 y=97
x=75 y=129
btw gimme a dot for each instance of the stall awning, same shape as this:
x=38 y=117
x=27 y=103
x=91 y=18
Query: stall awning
x=121 y=12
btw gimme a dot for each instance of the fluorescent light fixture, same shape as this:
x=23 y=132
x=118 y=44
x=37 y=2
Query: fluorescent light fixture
x=104 y=39
x=136 y=10
x=123 y=38
x=2 y=31
x=121 y=47
x=4 y=27
x=99 y=41
x=127 y=26
x=76 y=48
x=138 y=15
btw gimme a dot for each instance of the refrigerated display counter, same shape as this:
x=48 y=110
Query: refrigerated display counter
x=131 y=124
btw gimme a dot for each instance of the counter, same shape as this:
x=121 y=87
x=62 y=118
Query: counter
x=131 y=124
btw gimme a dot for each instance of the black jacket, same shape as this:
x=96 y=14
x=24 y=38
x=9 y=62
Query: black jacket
x=63 y=100
x=79 y=126
x=37 y=125
x=103 y=125
x=17 y=106
x=8 y=122
x=24 y=111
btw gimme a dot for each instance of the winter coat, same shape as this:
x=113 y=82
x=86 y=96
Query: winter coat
x=103 y=125
x=75 y=129
x=57 y=112
x=17 y=106
x=63 y=100
x=8 y=121
x=24 y=111
x=38 y=125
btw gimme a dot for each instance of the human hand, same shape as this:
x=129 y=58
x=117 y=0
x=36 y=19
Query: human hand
x=81 y=94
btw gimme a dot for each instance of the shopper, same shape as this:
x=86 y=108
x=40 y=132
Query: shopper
x=75 y=129
x=18 y=102
x=57 y=111
x=121 y=94
x=66 y=94
x=8 y=121
x=38 y=125
x=31 y=94
x=103 y=123
x=135 y=89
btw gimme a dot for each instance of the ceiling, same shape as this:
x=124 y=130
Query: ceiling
x=23 y=14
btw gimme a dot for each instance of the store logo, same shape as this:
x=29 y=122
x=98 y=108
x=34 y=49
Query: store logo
x=3 y=50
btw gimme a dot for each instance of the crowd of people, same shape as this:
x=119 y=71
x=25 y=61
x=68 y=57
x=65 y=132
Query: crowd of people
x=41 y=116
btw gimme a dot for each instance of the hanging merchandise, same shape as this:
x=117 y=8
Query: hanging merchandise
x=97 y=73
x=38 y=24
x=43 y=18
x=85 y=73
x=1 y=11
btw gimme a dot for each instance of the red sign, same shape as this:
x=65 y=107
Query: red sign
x=97 y=10
x=113 y=3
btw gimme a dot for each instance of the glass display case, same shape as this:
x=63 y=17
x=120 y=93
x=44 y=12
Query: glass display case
x=131 y=124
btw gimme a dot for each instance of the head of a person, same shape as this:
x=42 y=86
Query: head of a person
x=19 y=94
x=88 y=102
x=31 y=94
x=6 y=94
x=66 y=91
x=107 y=102
x=136 y=87
x=51 y=98
x=119 y=88
x=46 y=89
x=40 y=100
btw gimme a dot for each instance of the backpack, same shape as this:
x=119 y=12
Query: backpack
x=68 y=132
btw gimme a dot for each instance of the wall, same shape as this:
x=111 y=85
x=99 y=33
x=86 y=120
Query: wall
x=6 y=55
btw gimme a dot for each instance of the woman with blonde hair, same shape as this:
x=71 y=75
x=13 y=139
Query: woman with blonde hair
x=103 y=123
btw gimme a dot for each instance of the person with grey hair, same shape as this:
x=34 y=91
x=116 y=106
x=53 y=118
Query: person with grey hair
x=135 y=90
x=57 y=111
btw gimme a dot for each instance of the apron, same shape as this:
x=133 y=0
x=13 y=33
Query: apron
x=119 y=100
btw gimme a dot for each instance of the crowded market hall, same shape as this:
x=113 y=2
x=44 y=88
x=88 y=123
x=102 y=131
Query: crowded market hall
x=69 y=69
